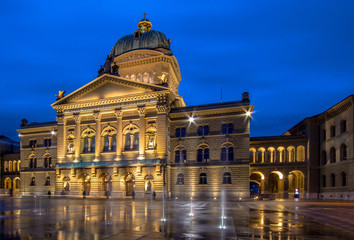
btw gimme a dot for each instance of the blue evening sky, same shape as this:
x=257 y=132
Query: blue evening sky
x=295 y=58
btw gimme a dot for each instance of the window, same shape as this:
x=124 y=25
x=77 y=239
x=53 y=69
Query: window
x=343 y=126
x=203 y=155
x=203 y=130
x=184 y=156
x=180 y=132
x=47 y=181
x=177 y=156
x=343 y=152
x=227 y=128
x=136 y=141
x=33 y=162
x=226 y=178
x=332 y=155
x=227 y=154
x=33 y=181
x=6 y=166
x=106 y=143
x=47 y=142
x=47 y=161
x=323 y=134
x=333 y=180
x=324 y=158
x=203 y=178
x=324 y=181
x=33 y=143
x=127 y=141
x=333 y=131
x=180 y=179
x=344 y=179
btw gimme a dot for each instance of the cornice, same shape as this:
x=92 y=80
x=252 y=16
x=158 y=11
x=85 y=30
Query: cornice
x=198 y=113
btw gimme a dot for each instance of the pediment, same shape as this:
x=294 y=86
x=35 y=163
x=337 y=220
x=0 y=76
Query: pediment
x=108 y=87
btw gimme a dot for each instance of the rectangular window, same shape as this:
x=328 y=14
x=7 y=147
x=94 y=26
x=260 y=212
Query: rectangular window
x=203 y=130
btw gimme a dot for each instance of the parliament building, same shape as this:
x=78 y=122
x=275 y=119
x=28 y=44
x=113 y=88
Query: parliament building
x=129 y=132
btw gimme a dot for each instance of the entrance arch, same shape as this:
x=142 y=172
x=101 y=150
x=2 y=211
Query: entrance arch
x=8 y=183
x=296 y=180
x=16 y=183
x=256 y=183
x=129 y=184
x=276 y=183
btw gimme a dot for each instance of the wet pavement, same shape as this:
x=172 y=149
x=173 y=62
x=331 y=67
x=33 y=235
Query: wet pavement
x=60 y=218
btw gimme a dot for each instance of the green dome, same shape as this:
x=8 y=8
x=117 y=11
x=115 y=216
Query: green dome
x=152 y=39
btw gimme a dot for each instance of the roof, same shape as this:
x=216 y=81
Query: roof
x=36 y=124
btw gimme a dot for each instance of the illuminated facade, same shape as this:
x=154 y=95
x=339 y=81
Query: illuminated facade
x=129 y=132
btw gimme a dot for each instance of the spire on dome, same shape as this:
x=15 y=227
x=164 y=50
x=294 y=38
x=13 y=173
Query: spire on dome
x=144 y=24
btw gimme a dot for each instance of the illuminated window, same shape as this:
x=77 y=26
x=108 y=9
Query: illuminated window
x=226 y=178
x=203 y=178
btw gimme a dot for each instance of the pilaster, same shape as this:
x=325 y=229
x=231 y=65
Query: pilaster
x=61 y=138
x=141 y=111
x=77 y=119
x=162 y=111
x=119 y=115
x=97 y=117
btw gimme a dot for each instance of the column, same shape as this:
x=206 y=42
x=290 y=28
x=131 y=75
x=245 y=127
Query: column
x=141 y=111
x=97 y=117
x=77 y=119
x=162 y=131
x=61 y=138
x=286 y=185
x=119 y=115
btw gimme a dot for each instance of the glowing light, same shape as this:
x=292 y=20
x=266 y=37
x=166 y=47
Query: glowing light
x=52 y=132
x=262 y=177
x=248 y=113
x=19 y=135
x=163 y=219
x=191 y=119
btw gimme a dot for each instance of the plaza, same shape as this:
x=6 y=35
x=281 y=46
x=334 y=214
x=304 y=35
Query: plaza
x=98 y=218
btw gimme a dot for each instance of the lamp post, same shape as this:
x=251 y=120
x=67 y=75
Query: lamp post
x=163 y=166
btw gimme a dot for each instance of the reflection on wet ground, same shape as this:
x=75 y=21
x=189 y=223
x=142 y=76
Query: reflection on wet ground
x=42 y=218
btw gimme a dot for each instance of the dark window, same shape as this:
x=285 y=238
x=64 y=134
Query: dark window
x=47 y=162
x=200 y=155
x=180 y=179
x=223 y=154
x=183 y=132
x=333 y=180
x=333 y=131
x=203 y=178
x=344 y=179
x=203 y=130
x=200 y=131
x=324 y=157
x=230 y=128
x=332 y=155
x=177 y=156
x=224 y=128
x=324 y=135
x=343 y=126
x=226 y=178
x=184 y=155
x=47 y=181
x=33 y=162
x=206 y=155
x=324 y=181
x=114 y=142
x=127 y=141
x=33 y=143
x=178 y=132
x=343 y=152
x=106 y=143
x=47 y=142
x=230 y=153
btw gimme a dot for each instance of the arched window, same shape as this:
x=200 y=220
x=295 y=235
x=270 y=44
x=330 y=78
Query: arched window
x=14 y=164
x=344 y=179
x=252 y=155
x=33 y=181
x=332 y=155
x=6 y=166
x=343 y=126
x=184 y=155
x=203 y=154
x=324 y=184
x=127 y=141
x=109 y=139
x=106 y=143
x=300 y=153
x=177 y=156
x=333 y=180
x=227 y=153
x=291 y=154
x=333 y=131
x=180 y=179
x=203 y=178
x=260 y=155
x=47 y=181
x=114 y=143
x=10 y=166
x=343 y=152
x=88 y=137
x=324 y=158
x=324 y=135
x=226 y=178
x=33 y=162
x=150 y=136
x=136 y=141
x=223 y=154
